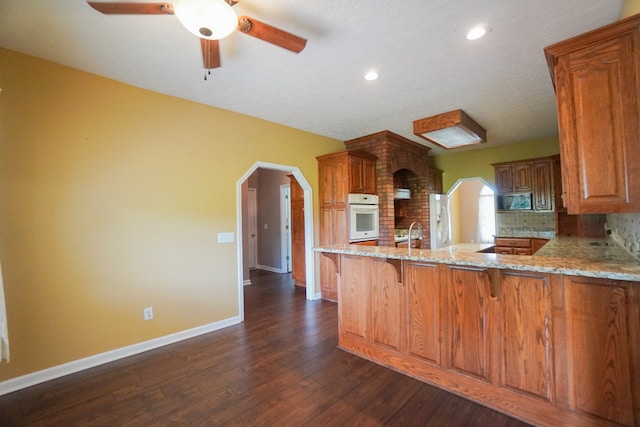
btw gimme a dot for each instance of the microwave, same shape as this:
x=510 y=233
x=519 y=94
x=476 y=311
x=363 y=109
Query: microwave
x=515 y=202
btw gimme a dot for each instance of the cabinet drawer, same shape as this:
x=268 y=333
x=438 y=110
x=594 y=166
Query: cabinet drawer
x=503 y=250
x=513 y=242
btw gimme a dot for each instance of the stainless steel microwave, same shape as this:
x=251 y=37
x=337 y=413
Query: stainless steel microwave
x=515 y=202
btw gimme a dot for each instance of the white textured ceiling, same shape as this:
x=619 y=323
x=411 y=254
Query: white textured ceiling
x=426 y=65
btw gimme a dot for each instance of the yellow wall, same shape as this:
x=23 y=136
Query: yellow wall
x=468 y=164
x=630 y=7
x=112 y=198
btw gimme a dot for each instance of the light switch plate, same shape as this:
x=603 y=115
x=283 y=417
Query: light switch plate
x=226 y=237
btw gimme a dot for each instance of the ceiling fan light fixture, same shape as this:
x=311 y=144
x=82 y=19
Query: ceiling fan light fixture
x=207 y=19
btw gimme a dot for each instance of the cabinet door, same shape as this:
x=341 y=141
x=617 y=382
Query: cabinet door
x=424 y=309
x=526 y=356
x=356 y=181
x=504 y=179
x=602 y=341
x=354 y=296
x=522 y=182
x=469 y=321
x=597 y=91
x=325 y=183
x=369 y=176
x=387 y=297
x=542 y=188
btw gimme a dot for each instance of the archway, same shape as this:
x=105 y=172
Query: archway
x=308 y=229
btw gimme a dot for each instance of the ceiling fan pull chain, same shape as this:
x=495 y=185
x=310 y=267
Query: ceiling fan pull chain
x=205 y=74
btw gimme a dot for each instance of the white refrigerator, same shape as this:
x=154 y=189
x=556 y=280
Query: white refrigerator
x=440 y=220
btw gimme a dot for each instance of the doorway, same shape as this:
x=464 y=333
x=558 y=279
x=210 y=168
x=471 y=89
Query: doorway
x=241 y=206
x=472 y=208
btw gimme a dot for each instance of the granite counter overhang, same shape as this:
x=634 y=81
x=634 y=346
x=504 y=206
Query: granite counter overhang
x=576 y=256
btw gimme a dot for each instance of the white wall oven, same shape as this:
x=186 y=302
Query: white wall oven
x=364 y=217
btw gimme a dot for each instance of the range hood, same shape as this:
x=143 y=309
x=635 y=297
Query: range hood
x=402 y=194
x=450 y=130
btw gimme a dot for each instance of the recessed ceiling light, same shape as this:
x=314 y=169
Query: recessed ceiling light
x=371 y=75
x=476 y=32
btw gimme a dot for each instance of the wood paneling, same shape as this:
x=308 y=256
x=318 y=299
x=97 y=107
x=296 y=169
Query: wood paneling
x=526 y=334
x=469 y=320
x=602 y=347
x=425 y=308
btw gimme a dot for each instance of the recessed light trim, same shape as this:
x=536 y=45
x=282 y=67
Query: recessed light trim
x=371 y=75
x=476 y=32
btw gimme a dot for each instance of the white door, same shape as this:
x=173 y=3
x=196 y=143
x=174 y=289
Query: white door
x=285 y=218
x=252 y=218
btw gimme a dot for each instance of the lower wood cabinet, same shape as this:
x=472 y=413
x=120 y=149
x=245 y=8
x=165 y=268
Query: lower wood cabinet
x=546 y=348
x=470 y=321
x=525 y=334
x=600 y=361
x=425 y=301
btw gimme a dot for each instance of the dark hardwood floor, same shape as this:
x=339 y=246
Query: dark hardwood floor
x=280 y=367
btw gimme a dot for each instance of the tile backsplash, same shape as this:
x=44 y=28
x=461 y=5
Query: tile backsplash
x=625 y=228
x=508 y=223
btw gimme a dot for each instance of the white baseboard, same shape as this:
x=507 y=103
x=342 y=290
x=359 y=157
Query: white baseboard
x=271 y=269
x=54 y=372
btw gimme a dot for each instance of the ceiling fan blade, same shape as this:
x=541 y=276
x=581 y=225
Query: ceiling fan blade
x=210 y=53
x=132 y=8
x=270 y=34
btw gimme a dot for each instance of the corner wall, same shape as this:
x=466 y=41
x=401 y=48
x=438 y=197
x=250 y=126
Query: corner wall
x=108 y=207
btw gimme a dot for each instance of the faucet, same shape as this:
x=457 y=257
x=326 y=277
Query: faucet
x=410 y=245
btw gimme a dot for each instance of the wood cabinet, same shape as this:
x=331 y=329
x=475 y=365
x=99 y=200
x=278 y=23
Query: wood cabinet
x=546 y=348
x=542 y=185
x=425 y=308
x=513 y=178
x=597 y=89
x=298 y=266
x=339 y=174
x=525 y=334
x=598 y=348
x=470 y=321
x=518 y=245
x=533 y=176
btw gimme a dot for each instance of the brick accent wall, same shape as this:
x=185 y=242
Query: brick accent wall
x=410 y=161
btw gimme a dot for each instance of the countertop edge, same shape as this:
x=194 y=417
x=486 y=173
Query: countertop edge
x=626 y=271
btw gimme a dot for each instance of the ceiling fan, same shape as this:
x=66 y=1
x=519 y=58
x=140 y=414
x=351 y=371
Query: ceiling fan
x=211 y=20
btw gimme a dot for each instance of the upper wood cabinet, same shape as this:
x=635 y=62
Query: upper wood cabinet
x=513 y=178
x=529 y=176
x=345 y=172
x=596 y=77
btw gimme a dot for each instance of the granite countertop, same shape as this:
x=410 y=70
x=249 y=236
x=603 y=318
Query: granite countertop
x=579 y=256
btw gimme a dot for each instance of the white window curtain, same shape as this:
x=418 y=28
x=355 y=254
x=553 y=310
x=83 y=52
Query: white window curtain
x=486 y=215
x=4 y=332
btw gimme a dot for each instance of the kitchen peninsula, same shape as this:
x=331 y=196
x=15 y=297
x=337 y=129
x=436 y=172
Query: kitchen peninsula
x=551 y=339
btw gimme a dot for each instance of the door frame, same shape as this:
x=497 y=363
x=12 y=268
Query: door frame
x=309 y=255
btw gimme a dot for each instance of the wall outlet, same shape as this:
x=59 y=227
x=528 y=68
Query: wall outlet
x=148 y=313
